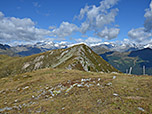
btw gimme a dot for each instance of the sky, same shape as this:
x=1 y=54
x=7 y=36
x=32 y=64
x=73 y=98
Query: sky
x=91 y=21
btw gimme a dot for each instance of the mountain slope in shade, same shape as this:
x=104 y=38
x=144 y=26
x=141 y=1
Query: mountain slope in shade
x=6 y=50
x=79 y=57
x=144 y=54
x=124 y=60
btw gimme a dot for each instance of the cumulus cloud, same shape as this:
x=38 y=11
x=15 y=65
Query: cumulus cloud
x=143 y=34
x=93 y=18
x=109 y=33
x=65 y=29
x=148 y=21
x=89 y=40
x=16 y=29
x=36 y=4
x=52 y=27
x=96 y=18
x=139 y=34
x=1 y=15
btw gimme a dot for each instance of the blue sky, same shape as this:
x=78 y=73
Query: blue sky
x=29 y=20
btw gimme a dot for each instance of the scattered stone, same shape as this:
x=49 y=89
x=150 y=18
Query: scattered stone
x=69 y=88
x=137 y=89
x=33 y=96
x=51 y=92
x=114 y=72
x=99 y=79
x=25 y=87
x=85 y=80
x=115 y=94
x=99 y=101
x=141 y=109
x=46 y=87
x=1 y=91
x=108 y=84
x=24 y=76
x=94 y=82
x=16 y=101
x=114 y=77
x=6 y=108
x=57 y=92
x=98 y=84
x=24 y=105
x=86 y=85
x=79 y=85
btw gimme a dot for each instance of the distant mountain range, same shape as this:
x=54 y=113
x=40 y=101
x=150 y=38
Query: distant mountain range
x=39 y=47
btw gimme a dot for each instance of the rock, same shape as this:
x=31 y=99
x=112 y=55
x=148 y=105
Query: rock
x=15 y=100
x=108 y=84
x=86 y=85
x=98 y=84
x=99 y=101
x=114 y=77
x=79 y=85
x=94 y=82
x=25 y=87
x=99 y=79
x=75 y=84
x=24 y=76
x=57 y=92
x=69 y=88
x=115 y=94
x=46 y=88
x=84 y=80
x=51 y=92
x=6 y=108
x=141 y=109
x=33 y=96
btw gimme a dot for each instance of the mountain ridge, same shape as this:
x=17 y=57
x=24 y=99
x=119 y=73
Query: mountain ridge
x=79 y=57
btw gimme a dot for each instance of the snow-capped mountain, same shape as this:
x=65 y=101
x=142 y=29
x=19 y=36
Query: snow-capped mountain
x=121 y=47
x=43 y=46
x=51 y=45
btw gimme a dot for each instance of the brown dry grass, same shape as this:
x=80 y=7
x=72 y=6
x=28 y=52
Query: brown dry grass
x=133 y=92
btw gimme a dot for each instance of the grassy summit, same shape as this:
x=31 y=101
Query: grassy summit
x=59 y=91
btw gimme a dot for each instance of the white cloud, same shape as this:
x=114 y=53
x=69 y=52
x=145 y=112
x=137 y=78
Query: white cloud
x=93 y=18
x=109 y=33
x=84 y=27
x=148 y=16
x=93 y=40
x=36 y=4
x=106 y=19
x=52 y=27
x=139 y=34
x=90 y=40
x=96 y=18
x=16 y=29
x=143 y=34
x=83 y=11
x=65 y=29
x=1 y=15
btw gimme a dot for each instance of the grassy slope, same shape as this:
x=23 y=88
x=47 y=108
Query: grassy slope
x=133 y=92
x=56 y=59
